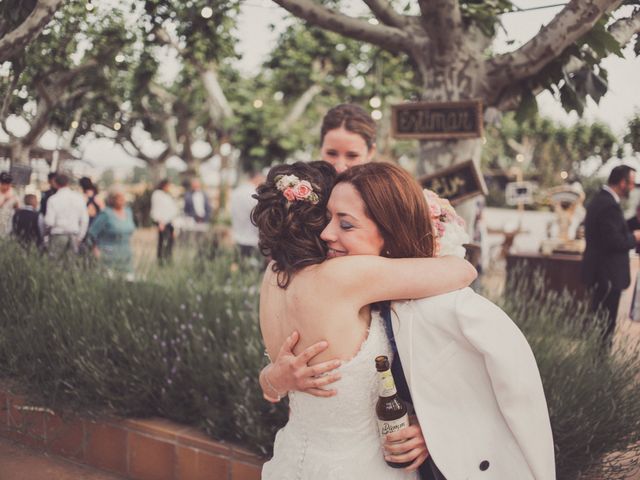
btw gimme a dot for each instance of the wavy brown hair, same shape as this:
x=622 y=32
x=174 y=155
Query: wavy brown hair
x=289 y=232
x=395 y=203
x=353 y=119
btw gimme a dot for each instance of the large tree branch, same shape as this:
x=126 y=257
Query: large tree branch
x=442 y=21
x=219 y=107
x=4 y=110
x=15 y=41
x=622 y=30
x=389 y=38
x=299 y=107
x=571 y=23
x=384 y=12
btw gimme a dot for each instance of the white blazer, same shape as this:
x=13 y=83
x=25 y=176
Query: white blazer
x=476 y=388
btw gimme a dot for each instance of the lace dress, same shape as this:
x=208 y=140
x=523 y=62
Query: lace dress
x=337 y=438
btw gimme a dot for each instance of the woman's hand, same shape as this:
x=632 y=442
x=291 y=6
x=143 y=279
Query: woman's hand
x=407 y=445
x=290 y=372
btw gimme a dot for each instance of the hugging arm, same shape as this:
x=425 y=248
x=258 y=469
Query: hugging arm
x=395 y=278
x=368 y=279
x=289 y=372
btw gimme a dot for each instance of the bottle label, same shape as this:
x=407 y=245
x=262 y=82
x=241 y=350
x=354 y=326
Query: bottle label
x=385 y=427
x=387 y=385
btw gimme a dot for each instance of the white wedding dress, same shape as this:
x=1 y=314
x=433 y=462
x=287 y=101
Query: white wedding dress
x=337 y=438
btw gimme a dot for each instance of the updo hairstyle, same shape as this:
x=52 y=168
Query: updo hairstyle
x=289 y=232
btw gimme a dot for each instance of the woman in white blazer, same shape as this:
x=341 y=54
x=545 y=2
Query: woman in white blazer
x=476 y=388
x=473 y=379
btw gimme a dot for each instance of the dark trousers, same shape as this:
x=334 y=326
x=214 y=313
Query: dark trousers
x=165 y=243
x=608 y=299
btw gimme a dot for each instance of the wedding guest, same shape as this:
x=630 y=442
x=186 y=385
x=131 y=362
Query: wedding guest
x=245 y=233
x=53 y=188
x=110 y=233
x=605 y=263
x=347 y=137
x=8 y=203
x=94 y=202
x=634 y=224
x=66 y=220
x=27 y=223
x=164 y=211
x=196 y=203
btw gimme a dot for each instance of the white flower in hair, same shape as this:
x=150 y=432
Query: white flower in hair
x=448 y=227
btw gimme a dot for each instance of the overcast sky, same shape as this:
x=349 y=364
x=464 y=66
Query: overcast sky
x=615 y=108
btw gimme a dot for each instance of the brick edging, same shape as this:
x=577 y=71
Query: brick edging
x=149 y=449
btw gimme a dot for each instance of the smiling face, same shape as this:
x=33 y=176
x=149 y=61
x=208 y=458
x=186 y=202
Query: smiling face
x=350 y=231
x=344 y=149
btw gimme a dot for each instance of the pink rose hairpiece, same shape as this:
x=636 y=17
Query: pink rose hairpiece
x=295 y=189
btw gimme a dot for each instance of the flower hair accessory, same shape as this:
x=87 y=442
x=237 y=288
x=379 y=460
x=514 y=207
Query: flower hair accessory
x=448 y=227
x=295 y=189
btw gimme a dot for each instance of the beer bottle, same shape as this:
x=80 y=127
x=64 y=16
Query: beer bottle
x=390 y=409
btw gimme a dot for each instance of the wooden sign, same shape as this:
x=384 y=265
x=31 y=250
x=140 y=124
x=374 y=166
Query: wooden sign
x=456 y=183
x=437 y=121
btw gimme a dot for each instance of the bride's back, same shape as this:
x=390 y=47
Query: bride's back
x=312 y=305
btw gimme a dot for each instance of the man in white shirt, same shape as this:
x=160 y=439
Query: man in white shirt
x=164 y=211
x=245 y=233
x=196 y=203
x=66 y=220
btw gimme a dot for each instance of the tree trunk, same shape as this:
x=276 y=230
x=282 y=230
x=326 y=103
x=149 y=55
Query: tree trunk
x=457 y=79
x=157 y=172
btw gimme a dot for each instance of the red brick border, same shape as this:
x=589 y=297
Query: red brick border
x=154 y=449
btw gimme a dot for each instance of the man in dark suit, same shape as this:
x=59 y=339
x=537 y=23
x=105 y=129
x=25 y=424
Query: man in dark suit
x=53 y=188
x=605 y=263
x=196 y=203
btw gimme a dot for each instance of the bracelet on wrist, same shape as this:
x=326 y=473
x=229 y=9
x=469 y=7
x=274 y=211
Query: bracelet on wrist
x=270 y=385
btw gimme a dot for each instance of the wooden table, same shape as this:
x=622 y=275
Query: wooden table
x=562 y=271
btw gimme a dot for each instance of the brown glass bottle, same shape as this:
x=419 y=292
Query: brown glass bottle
x=390 y=409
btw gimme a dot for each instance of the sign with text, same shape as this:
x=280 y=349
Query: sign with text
x=437 y=121
x=456 y=183
x=519 y=193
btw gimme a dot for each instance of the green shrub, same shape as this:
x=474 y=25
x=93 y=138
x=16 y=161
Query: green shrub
x=593 y=397
x=184 y=343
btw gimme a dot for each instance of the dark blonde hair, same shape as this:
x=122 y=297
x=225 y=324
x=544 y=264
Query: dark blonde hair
x=353 y=119
x=289 y=232
x=395 y=203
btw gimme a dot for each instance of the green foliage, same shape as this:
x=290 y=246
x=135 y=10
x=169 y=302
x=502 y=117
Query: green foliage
x=552 y=147
x=592 y=397
x=573 y=89
x=183 y=343
x=632 y=136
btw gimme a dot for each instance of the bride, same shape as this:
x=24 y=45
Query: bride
x=473 y=379
x=336 y=438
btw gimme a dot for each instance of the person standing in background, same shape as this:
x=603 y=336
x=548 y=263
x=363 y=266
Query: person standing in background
x=66 y=220
x=53 y=188
x=27 y=223
x=245 y=233
x=634 y=224
x=94 y=203
x=163 y=212
x=605 y=263
x=8 y=204
x=196 y=203
x=110 y=233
